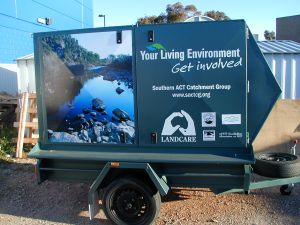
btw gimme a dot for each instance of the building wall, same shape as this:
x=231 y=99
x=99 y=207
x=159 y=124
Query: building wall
x=18 y=22
x=286 y=68
x=288 y=28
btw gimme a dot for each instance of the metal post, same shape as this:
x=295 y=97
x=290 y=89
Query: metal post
x=293 y=148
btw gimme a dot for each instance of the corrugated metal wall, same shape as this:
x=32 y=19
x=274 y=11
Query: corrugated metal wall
x=286 y=68
x=8 y=78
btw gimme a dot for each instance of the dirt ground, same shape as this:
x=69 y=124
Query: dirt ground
x=22 y=201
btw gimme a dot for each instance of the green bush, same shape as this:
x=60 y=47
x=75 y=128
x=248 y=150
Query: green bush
x=7 y=147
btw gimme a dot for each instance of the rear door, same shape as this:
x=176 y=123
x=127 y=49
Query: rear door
x=192 y=84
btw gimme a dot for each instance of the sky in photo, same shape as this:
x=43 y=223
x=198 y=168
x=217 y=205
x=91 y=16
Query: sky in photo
x=258 y=14
x=105 y=44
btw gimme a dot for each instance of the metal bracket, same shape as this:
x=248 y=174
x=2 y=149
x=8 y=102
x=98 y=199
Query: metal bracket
x=151 y=36
x=247 y=178
x=119 y=37
x=94 y=206
x=247 y=137
x=153 y=138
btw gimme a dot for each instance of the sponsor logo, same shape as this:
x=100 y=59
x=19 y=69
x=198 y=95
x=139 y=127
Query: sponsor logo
x=187 y=134
x=231 y=119
x=155 y=47
x=208 y=119
x=230 y=135
x=209 y=135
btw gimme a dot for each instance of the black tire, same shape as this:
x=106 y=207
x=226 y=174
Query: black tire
x=286 y=189
x=277 y=165
x=129 y=201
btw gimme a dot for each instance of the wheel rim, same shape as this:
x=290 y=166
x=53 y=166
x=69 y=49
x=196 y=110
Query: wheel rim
x=277 y=157
x=130 y=205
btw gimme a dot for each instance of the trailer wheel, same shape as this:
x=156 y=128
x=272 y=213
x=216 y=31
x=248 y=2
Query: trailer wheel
x=277 y=165
x=130 y=201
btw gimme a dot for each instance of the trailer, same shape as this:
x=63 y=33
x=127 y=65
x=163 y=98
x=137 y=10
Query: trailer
x=137 y=110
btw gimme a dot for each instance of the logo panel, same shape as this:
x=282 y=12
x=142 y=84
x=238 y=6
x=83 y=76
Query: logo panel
x=208 y=119
x=209 y=135
x=188 y=134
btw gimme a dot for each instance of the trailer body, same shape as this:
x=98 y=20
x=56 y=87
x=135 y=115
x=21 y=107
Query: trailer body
x=178 y=105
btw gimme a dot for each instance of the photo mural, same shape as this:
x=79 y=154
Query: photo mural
x=89 y=88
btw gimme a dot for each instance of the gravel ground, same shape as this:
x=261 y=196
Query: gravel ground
x=22 y=201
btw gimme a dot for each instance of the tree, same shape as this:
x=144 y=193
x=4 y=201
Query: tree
x=174 y=13
x=147 y=20
x=191 y=10
x=269 y=35
x=162 y=18
x=216 y=15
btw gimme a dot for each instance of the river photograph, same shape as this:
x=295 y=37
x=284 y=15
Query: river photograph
x=88 y=88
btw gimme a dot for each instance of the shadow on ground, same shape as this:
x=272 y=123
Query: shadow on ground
x=21 y=196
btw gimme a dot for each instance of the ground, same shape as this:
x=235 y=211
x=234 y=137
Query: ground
x=24 y=202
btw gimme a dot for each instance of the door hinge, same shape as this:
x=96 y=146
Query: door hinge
x=248 y=86
x=248 y=137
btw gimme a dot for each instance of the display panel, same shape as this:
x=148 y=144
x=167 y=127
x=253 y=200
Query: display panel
x=88 y=87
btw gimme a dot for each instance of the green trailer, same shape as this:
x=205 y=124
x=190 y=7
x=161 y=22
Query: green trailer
x=136 y=110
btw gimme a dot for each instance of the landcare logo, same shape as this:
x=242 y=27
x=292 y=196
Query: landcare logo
x=189 y=133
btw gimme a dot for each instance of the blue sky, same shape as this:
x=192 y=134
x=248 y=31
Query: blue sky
x=259 y=15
